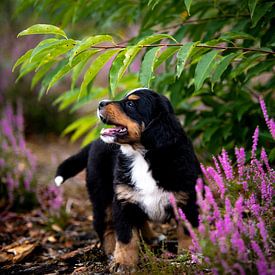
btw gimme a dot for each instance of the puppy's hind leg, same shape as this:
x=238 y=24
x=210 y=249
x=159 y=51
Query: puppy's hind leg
x=109 y=239
x=103 y=225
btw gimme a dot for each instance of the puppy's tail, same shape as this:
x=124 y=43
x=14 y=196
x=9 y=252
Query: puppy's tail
x=72 y=165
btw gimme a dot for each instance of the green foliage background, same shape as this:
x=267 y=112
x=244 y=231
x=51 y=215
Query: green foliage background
x=211 y=58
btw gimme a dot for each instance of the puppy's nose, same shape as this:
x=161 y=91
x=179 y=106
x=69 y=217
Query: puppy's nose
x=103 y=103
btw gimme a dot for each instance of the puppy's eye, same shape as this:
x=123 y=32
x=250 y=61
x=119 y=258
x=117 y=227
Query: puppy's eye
x=130 y=104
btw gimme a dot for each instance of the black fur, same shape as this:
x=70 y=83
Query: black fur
x=166 y=149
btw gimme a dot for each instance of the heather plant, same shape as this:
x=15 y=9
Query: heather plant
x=51 y=201
x=17 y=164
x=236 y=220
x=18 y=173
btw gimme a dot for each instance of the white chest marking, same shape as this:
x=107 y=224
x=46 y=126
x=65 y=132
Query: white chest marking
x=153 y=199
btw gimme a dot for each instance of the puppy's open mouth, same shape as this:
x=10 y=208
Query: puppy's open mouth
x=116 y=131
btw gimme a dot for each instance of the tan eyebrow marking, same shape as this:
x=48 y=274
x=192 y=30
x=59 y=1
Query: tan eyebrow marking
x=133 y=97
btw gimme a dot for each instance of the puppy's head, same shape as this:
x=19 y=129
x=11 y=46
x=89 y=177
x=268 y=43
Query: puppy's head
x=132 y=116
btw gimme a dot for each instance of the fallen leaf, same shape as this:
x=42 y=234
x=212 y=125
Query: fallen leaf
x=17 y=251
x=52 y=239
x=56 y=228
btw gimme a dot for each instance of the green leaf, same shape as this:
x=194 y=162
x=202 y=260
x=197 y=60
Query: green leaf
x=91 y=136
x=168 y=52
x=263 y=66
x=25 y=69
x=154 y=38
x=84 y=127
x=55 y=52
x=47 y=50
x=222 y=65
x=237 y=35
x=147 y=67
x=43 y=29
x=120 y=65
x=66 y=99
x=95 y=93
x=188 y=5
x=76 y=124
x=203 y=68
x=183 y=54
x=89 y=42
x=260 y=12
x=95 y=67
x=40 y=73
x=252 y=5
x=76 y=71
x=246 y=64
x=44 y=45
x=153 y=3
x=22 y=59
x=65 y=69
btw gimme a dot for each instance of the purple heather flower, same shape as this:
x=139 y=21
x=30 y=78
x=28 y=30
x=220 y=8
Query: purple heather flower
x=239 y=246
x=173 y=202
x=200 y=201
x=228 y=224
x=264 y=158
x=240 y=269
x=263 y=233
x=204 y=171
x=223 y=245
x=253 y=206
x=190 y=229
x=240 y=155
x=269 y=122
x=218 y=180
x=251 y=230
x=218 y=168
x=255 y=143
x=261 y=263
x=211 y=201
x=2 y=162
x=215 y=271
x=226 y=165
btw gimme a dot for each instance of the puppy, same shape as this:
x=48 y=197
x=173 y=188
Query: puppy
x=133 y=169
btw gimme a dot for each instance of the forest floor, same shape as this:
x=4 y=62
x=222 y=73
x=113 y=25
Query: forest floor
x=32 y=244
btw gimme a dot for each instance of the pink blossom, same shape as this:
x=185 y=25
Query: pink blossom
x=218 y=168
x=263 y=233
x=174 y=205
x=240 y=155
x=239 y=246
x=255 y=142
x=211 y=201
x=190 y=229
x=264 y=158
x=226 y=165
x=239 y=268
x=269 y=122
x=261 y=263
x=218 y=179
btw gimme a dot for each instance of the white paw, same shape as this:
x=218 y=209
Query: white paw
x=58 y=180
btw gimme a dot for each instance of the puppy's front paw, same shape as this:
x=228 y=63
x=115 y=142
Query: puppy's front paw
x=121 y=268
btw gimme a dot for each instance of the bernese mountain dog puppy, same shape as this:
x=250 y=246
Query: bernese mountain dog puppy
x=133 y=169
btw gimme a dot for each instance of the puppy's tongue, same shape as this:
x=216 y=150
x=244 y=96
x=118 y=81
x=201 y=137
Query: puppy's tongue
x=115 y=131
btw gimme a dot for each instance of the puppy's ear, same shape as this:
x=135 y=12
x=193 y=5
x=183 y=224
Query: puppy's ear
x=162 y=131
